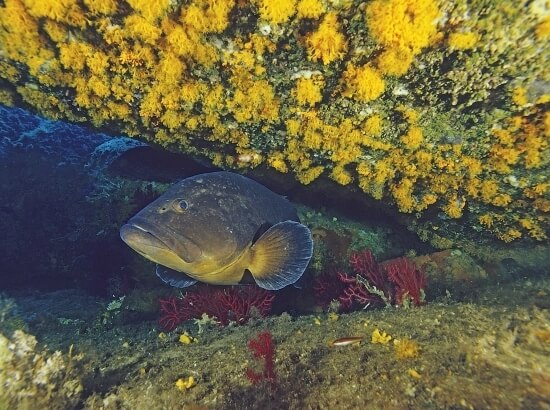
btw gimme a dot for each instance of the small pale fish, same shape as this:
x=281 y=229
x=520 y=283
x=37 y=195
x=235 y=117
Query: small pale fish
x=346 y=341
x=221 y=228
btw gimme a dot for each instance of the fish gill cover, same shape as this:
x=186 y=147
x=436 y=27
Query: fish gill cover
x=434 y=107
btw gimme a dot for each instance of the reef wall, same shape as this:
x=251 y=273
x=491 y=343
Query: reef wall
x=439 y=109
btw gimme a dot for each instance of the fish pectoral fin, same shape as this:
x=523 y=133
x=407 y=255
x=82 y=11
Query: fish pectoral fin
x=173 y=277
x=280 y=256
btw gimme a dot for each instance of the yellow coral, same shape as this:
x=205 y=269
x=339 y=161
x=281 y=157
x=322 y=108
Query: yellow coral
x=207 y=16
x=535 y=230
x=185 y=339
x=307 y=92
x=510 y=235
x=139 y=27
x=310 y=9
x=362 y=83
x=508 y=155
x=486 y=220
x=501 y=200
x=66 y=11
x=307 y=176
x=403 y=195
x=313 y=139
x=406 y=348
x=217 y=13
x=56 y=31
x=546 y=123
x=149 y=10
x=277 y=12
x=276 y=161
x=155 y=69
x=293 y=127
x=172 y=119
x=395 y=61
x=403 y=23
x=542 y=30
x=454 y=207
x=340 y=175
x=373 y=125
x=99 y=87
x=101 y=6
x=403 y=26
x=379 y=337
x=71 y=55
x=253 y=102
x=463 y=41
x=170 y=70
x=488 y=190
x=97 y=62
x=184 y=384
x=519 y=96
x=327 y=43
x=413 y=138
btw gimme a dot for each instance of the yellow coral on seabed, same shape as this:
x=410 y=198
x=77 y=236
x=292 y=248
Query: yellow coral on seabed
x=185 y=384
x=406 y=348
x=379 y=337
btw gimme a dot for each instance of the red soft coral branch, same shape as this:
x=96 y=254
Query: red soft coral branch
x=355 y=293
x=230 y=304
x=364 y=264
x=373 y=284
x=409 y=280
x=263 y=349
x=171 y=313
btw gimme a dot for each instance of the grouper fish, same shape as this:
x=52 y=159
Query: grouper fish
x=221 y=228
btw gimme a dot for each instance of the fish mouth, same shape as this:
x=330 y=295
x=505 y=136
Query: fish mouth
x=158 y=244
x=138 y=238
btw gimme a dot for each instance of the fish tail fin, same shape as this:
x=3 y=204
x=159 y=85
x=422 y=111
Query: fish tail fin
x=281 y=254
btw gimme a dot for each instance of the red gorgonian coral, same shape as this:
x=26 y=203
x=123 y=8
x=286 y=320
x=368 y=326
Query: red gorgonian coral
x=397 y=282
x=408 y=279
x=263 y=349
x=225 y=304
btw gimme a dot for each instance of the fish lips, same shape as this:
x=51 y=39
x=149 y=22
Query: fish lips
x=146 y=239
x=135 y=235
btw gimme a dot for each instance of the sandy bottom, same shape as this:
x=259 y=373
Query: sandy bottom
x=491 y=351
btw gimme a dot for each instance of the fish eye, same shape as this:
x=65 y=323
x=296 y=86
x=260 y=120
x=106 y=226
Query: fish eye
x=181 y=205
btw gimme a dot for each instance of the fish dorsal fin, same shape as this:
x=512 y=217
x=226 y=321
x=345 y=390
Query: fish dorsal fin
x=173 y=277
x=280 y=256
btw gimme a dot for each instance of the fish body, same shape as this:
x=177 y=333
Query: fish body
x=220 y=228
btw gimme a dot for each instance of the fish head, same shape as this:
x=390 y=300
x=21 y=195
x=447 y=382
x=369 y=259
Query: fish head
x=185 y=229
